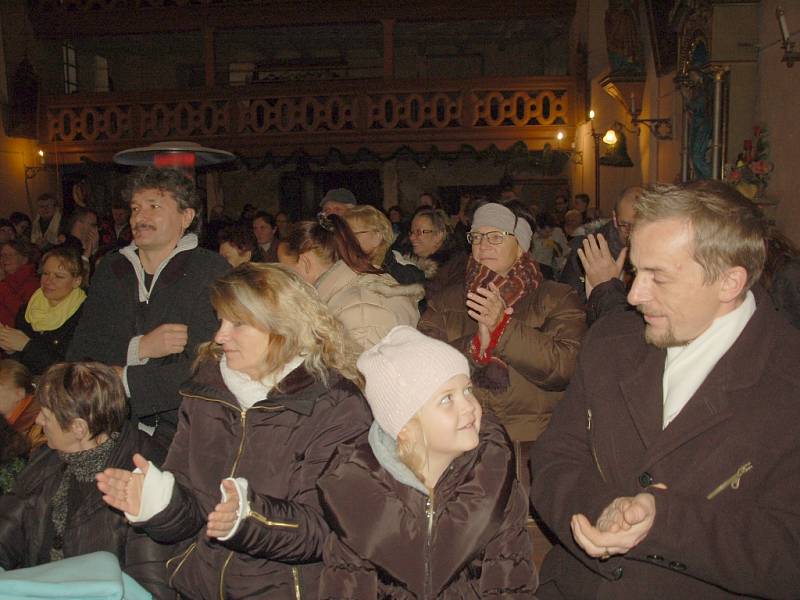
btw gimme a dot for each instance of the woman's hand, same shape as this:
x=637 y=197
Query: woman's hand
x=12 y=340
x=123 y=489
x=488 y=308
x=225 y=515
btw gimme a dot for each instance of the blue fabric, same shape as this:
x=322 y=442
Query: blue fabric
x=95 y=576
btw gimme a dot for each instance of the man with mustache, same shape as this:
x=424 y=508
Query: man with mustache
x=148 y=306
x=668 y=470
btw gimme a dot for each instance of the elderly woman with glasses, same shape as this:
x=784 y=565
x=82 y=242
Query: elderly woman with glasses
x=435 y=250
x=521 y=332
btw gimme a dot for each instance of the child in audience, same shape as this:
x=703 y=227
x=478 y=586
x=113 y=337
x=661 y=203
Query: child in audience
x=427 y=504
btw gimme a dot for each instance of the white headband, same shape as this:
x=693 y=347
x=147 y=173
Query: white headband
x=497 y=215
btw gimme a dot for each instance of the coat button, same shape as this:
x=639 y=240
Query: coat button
x=645 y=479
x=617 y=573
x=677 y=566
x=655 y=557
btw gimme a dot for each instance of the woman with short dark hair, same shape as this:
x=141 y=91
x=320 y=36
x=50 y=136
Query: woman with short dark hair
x=55 y=510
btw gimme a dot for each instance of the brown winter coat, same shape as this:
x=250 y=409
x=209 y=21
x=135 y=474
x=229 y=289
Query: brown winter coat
x=389 y=542
x=606 y=441
x=281 y=445
x=539 y=345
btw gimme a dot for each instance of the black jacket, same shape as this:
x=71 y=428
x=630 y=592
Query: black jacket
x=112 y=315
x=25 y=523
x=45 y=347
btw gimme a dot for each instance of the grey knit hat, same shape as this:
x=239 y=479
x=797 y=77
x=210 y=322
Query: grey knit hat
x=342 y=195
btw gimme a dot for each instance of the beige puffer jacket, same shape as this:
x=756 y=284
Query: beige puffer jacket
x=368 y=305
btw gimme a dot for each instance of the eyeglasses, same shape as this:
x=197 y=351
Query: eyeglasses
x=495 y=238
x=420 y=232
x=365 y=231
x=624 y=225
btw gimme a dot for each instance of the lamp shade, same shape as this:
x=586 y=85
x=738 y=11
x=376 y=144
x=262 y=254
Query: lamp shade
x=181 y=155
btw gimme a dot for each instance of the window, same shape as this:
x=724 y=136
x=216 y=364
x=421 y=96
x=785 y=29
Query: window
x=70 y=68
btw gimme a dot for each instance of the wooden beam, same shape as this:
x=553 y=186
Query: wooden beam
x=56 y=22
x=208 y=55
x=388 y=48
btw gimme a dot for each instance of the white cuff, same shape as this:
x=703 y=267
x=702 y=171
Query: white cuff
x=156 y=493
x=125 y=381
x=133 y=360
x=244 y=506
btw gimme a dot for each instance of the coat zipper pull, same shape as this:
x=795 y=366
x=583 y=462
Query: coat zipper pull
x=732 y=481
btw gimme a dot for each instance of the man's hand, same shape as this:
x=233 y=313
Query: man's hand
x=222 y=520
x=621 y=526
x=90 y=242
x=166 y=339
x=598 y=263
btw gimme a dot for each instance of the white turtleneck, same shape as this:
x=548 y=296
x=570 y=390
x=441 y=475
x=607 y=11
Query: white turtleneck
x=687 y=367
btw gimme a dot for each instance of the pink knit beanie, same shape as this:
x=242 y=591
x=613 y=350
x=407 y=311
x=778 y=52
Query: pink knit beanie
x=402 y=372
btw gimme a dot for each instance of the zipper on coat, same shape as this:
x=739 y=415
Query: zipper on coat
x=298 y=589
x=233 y=474
x=269 y=523
x=243 y=421
x=182 y=556
x=732 y=481
x=591 y=442
x=429 y=514
x=222 y=575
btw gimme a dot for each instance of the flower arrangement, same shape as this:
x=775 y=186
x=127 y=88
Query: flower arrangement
x=750 y=174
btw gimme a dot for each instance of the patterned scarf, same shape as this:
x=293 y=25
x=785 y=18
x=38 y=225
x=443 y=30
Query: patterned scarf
x=523 y=278
x=81 y=468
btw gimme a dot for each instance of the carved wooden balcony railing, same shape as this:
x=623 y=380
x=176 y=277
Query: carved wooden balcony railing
x=376 y=115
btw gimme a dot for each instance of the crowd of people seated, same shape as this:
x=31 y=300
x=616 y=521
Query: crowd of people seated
x=363 y=405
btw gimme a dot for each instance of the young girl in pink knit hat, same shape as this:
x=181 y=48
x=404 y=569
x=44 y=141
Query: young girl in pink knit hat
x=427 y=505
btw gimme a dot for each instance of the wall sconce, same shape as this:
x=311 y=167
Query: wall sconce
x=628 y=90
x=617 y=154
x=572 y=153
x=790 y=55
x=33 y=170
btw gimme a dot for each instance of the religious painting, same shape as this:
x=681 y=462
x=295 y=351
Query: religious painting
x=623 y=37
x=661 y=16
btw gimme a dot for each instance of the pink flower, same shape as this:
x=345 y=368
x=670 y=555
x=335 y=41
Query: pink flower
x=735 y=176
x=761 y=167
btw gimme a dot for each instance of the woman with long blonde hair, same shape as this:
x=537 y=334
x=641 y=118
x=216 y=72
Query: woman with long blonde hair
x=272 y=397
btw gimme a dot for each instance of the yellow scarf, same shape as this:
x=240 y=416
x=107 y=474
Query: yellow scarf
x=44 y=317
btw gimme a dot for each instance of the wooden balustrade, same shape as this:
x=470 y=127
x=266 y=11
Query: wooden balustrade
x=256 y=119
